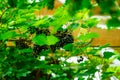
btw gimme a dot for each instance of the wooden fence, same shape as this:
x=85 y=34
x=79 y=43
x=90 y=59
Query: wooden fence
x=111 y=37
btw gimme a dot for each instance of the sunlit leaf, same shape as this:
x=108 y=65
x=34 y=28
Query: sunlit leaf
x=40 y=39
x=39 y=22
x=7 y=35
x=51 y=40
x=88 y=36
x=90 y=23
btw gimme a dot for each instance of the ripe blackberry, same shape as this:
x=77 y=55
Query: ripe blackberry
x=64 y=38
x=42 y=31
x=21 y=44
x=32 y=29
x=37 y=49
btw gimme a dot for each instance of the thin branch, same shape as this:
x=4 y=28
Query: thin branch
x=3 y=13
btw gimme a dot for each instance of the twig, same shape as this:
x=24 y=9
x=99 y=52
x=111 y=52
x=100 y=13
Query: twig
x=3 y=14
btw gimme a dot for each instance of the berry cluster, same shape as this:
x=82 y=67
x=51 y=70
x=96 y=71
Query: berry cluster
x=21 y=44
x=64 y=37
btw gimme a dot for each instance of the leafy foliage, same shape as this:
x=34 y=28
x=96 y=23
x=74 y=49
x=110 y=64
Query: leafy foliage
x=40 y=48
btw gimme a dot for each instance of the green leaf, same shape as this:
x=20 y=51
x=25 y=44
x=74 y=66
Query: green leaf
x=90 y=71
x=104 y=46
x=107 y=55
x=80 y=78
x=93 y=51
x=107 y=75
x=66 y=79
x=22 y=3
x=76 y=5
x=39 y=22
x=106 y=5
x=22 y=73
x=40 y=39
x=50 y=4
x=86 y=4
x=74 y=26
x=51 y=40
x=25 y=50
x=90 y=23
x=114 y=22
x=55 y=66
x=45 y=40
x=7 y=35
x=9 y=72
x=59 y=19
x=12 y=3
x=68 y=47
x=118 y=58
x=88 y=36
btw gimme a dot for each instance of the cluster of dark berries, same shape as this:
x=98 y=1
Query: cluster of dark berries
x=64 y=37
x=37 y=48
x=21 y=44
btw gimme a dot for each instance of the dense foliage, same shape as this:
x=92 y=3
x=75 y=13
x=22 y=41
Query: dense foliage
x=38 y=48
